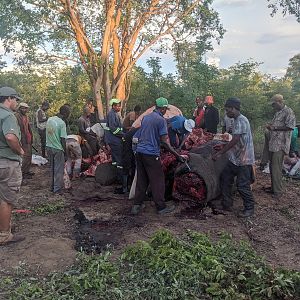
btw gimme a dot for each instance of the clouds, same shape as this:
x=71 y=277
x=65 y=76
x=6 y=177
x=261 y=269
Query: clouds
x=253 y=33
x=235 y=3
x=213 y=61
x=269 y=38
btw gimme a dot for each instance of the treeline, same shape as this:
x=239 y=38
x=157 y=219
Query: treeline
x=243 y=80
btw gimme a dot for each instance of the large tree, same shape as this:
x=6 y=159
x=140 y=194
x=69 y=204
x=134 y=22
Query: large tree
x=291 y=7
x=106 y=36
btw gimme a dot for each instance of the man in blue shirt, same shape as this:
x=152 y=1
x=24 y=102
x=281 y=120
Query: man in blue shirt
x=178 y=129
x=152 y=134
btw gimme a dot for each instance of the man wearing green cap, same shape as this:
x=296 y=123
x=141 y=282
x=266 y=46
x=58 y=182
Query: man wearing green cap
x=151 y=135
x=10 y=162
x=113 y=137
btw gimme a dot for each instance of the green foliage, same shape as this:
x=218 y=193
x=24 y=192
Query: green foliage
x=66 y=85
x=49 y=207
x=103 y=35
x=167 y=267
x=243 y=80
x=291 y=7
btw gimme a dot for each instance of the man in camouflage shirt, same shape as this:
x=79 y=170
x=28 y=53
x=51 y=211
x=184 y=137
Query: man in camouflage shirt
x=277 y=142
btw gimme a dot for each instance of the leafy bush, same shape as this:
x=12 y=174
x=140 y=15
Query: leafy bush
x=168 y=267
x=49 y=208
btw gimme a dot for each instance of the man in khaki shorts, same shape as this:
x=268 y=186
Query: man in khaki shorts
x=10 y=162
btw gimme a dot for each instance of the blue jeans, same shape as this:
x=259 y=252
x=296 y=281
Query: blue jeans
x=57 y=166
x=244 y=179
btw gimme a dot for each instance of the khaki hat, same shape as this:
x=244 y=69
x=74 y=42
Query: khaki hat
x=276 y=98
x=9 y=92
x=23 y=104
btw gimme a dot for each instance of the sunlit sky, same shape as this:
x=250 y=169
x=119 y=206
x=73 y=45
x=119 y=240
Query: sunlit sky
x=250 y=33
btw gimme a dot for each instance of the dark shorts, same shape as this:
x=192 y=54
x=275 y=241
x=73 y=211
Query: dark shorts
x=10 y=180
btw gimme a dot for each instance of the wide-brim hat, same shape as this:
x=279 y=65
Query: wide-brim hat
x=9 y=92
x=23 y=104
x=189 y=124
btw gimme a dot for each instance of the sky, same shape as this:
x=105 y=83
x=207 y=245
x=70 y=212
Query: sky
x=250 y=33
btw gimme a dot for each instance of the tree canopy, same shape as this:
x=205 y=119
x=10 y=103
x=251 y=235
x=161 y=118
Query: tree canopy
x=106 y=36
x=291 y=7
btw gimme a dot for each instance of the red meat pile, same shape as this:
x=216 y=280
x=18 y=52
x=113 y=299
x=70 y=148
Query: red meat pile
x=169 y=161
x=186 y=187
x=102 y=157
x=197 y=137
x=189 y=187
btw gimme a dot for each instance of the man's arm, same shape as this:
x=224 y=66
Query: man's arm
x=227 y=147
x=63 y=136
x=183 y=141
x=166 y=144
x=81 y=126
x=14 y=144
x=279 y=128
x=216 y=115
x=63 y=143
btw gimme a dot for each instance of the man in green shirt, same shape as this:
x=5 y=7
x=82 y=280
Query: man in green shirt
x=10 y=162
x=56 y=134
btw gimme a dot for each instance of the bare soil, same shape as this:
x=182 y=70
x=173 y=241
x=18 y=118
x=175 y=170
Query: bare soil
x=93 y=218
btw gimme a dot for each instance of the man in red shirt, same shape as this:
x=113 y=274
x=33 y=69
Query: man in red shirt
x=26 y=139
x=198 y=114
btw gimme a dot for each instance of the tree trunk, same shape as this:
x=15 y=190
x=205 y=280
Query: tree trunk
x=121 y=90
x=97 y=96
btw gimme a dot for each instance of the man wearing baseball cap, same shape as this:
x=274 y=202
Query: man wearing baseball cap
x=10 y=162
x=26 y=139
x=277 y=142
x=152 y=134
x=113 y=137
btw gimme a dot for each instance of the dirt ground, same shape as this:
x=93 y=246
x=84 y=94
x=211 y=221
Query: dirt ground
x=93 y=217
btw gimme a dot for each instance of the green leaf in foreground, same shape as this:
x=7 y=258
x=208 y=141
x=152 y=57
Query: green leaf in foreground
x=169 y=267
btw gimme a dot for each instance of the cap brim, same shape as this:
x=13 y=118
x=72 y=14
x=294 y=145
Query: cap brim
x=18 y=98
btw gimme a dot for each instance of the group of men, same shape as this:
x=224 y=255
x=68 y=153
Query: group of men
x=241 y=152
x=146 y=142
